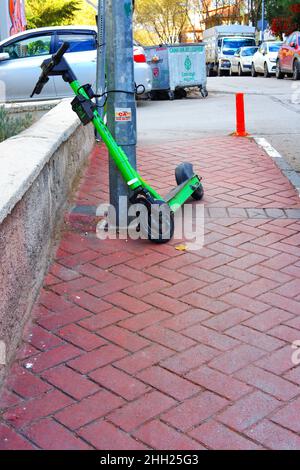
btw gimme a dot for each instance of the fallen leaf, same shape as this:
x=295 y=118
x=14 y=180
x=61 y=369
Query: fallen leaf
x=181 y=247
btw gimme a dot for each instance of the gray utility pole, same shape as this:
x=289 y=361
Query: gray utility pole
x=100 y=73
x=263 y=20
x=121 y=107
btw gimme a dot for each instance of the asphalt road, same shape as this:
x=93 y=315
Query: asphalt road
x=272 y=111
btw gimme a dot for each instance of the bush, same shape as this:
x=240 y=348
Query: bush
x=10 y=126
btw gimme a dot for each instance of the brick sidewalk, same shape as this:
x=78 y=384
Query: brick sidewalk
x=137 y=346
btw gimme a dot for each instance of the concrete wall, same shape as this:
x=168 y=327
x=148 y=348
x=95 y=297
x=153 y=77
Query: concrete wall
x=37 y=171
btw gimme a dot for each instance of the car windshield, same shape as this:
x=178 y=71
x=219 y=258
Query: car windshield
x=231 y=45
x=274 y=47
x=249 y=51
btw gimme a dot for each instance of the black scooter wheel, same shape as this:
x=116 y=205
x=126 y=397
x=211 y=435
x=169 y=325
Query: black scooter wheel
x=158 y=223
x=184 y=172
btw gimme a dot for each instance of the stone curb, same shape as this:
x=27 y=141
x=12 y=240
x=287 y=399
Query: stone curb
x=282 y=164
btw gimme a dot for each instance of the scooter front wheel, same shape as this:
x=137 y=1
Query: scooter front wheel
x=184 y=172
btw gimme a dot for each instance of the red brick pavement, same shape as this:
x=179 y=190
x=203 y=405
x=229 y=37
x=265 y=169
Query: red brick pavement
x=135 y=345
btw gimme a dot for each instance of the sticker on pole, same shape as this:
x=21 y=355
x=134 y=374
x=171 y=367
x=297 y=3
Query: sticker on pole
x=123 y=114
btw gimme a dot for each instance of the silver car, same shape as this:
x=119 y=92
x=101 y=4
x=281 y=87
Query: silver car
x=242 y=60
x=22 y=54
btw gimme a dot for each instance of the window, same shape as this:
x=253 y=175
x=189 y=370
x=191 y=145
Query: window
x=274 y=47
x=287 y=40
x=293 y=39
x=79 y=42
x=29 y=47
x=232 y=44
x=249 y=51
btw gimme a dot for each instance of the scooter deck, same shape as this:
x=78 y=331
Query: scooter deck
x=181 y=193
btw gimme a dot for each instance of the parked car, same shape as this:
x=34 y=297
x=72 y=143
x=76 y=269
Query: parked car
x=264 y=60
x=288 y=61
x=242 y=60
x=222 y=42
x=22 y=54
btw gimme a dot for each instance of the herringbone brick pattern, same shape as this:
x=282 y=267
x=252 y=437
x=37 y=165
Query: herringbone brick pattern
x=138 y=346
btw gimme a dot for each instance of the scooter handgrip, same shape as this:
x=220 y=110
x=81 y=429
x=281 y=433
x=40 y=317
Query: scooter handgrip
x=39 y=86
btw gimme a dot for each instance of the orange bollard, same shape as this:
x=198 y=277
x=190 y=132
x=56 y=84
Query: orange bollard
x=240 y=116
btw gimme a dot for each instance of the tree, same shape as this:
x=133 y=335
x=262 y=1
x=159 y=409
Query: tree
x=41 y=13
x=284 y=16
x=255 y=11
x=85 y=15
x=162 y=21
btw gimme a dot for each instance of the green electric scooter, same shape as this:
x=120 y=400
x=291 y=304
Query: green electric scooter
x=159 y=223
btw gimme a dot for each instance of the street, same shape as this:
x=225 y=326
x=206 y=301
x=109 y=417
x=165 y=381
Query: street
x=272 y=110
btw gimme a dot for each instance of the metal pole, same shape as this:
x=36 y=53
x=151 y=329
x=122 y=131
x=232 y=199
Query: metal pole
x=263 y=20
x=121 y=107
x=100 y=71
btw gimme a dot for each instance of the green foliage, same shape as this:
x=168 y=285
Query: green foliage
x=162 y=20
x=38 y=48
x=41 y=13
x=85 y=15
x=10 y=126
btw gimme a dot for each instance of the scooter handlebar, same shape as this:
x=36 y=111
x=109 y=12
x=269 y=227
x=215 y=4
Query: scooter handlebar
x=58 y=55
x=47 y=66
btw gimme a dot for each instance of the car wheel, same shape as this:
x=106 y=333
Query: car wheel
x=266 y=71
x=279 y=74
x=220 y=72
x=296 y=70
x=253 y=71
x=240 y=72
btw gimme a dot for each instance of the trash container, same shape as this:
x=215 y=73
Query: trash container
x=176 y=67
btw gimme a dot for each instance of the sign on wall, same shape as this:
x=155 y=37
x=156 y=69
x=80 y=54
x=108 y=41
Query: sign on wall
x=12 y=17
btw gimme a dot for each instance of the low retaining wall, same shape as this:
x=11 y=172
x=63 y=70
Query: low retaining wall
x=37 y=170
x=35 y=108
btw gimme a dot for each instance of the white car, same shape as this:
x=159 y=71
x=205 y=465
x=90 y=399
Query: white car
x=22 y=54
x=242 y=60
x=264 y=60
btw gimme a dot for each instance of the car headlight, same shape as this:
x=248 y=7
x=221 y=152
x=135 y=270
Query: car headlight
x=272 y=60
